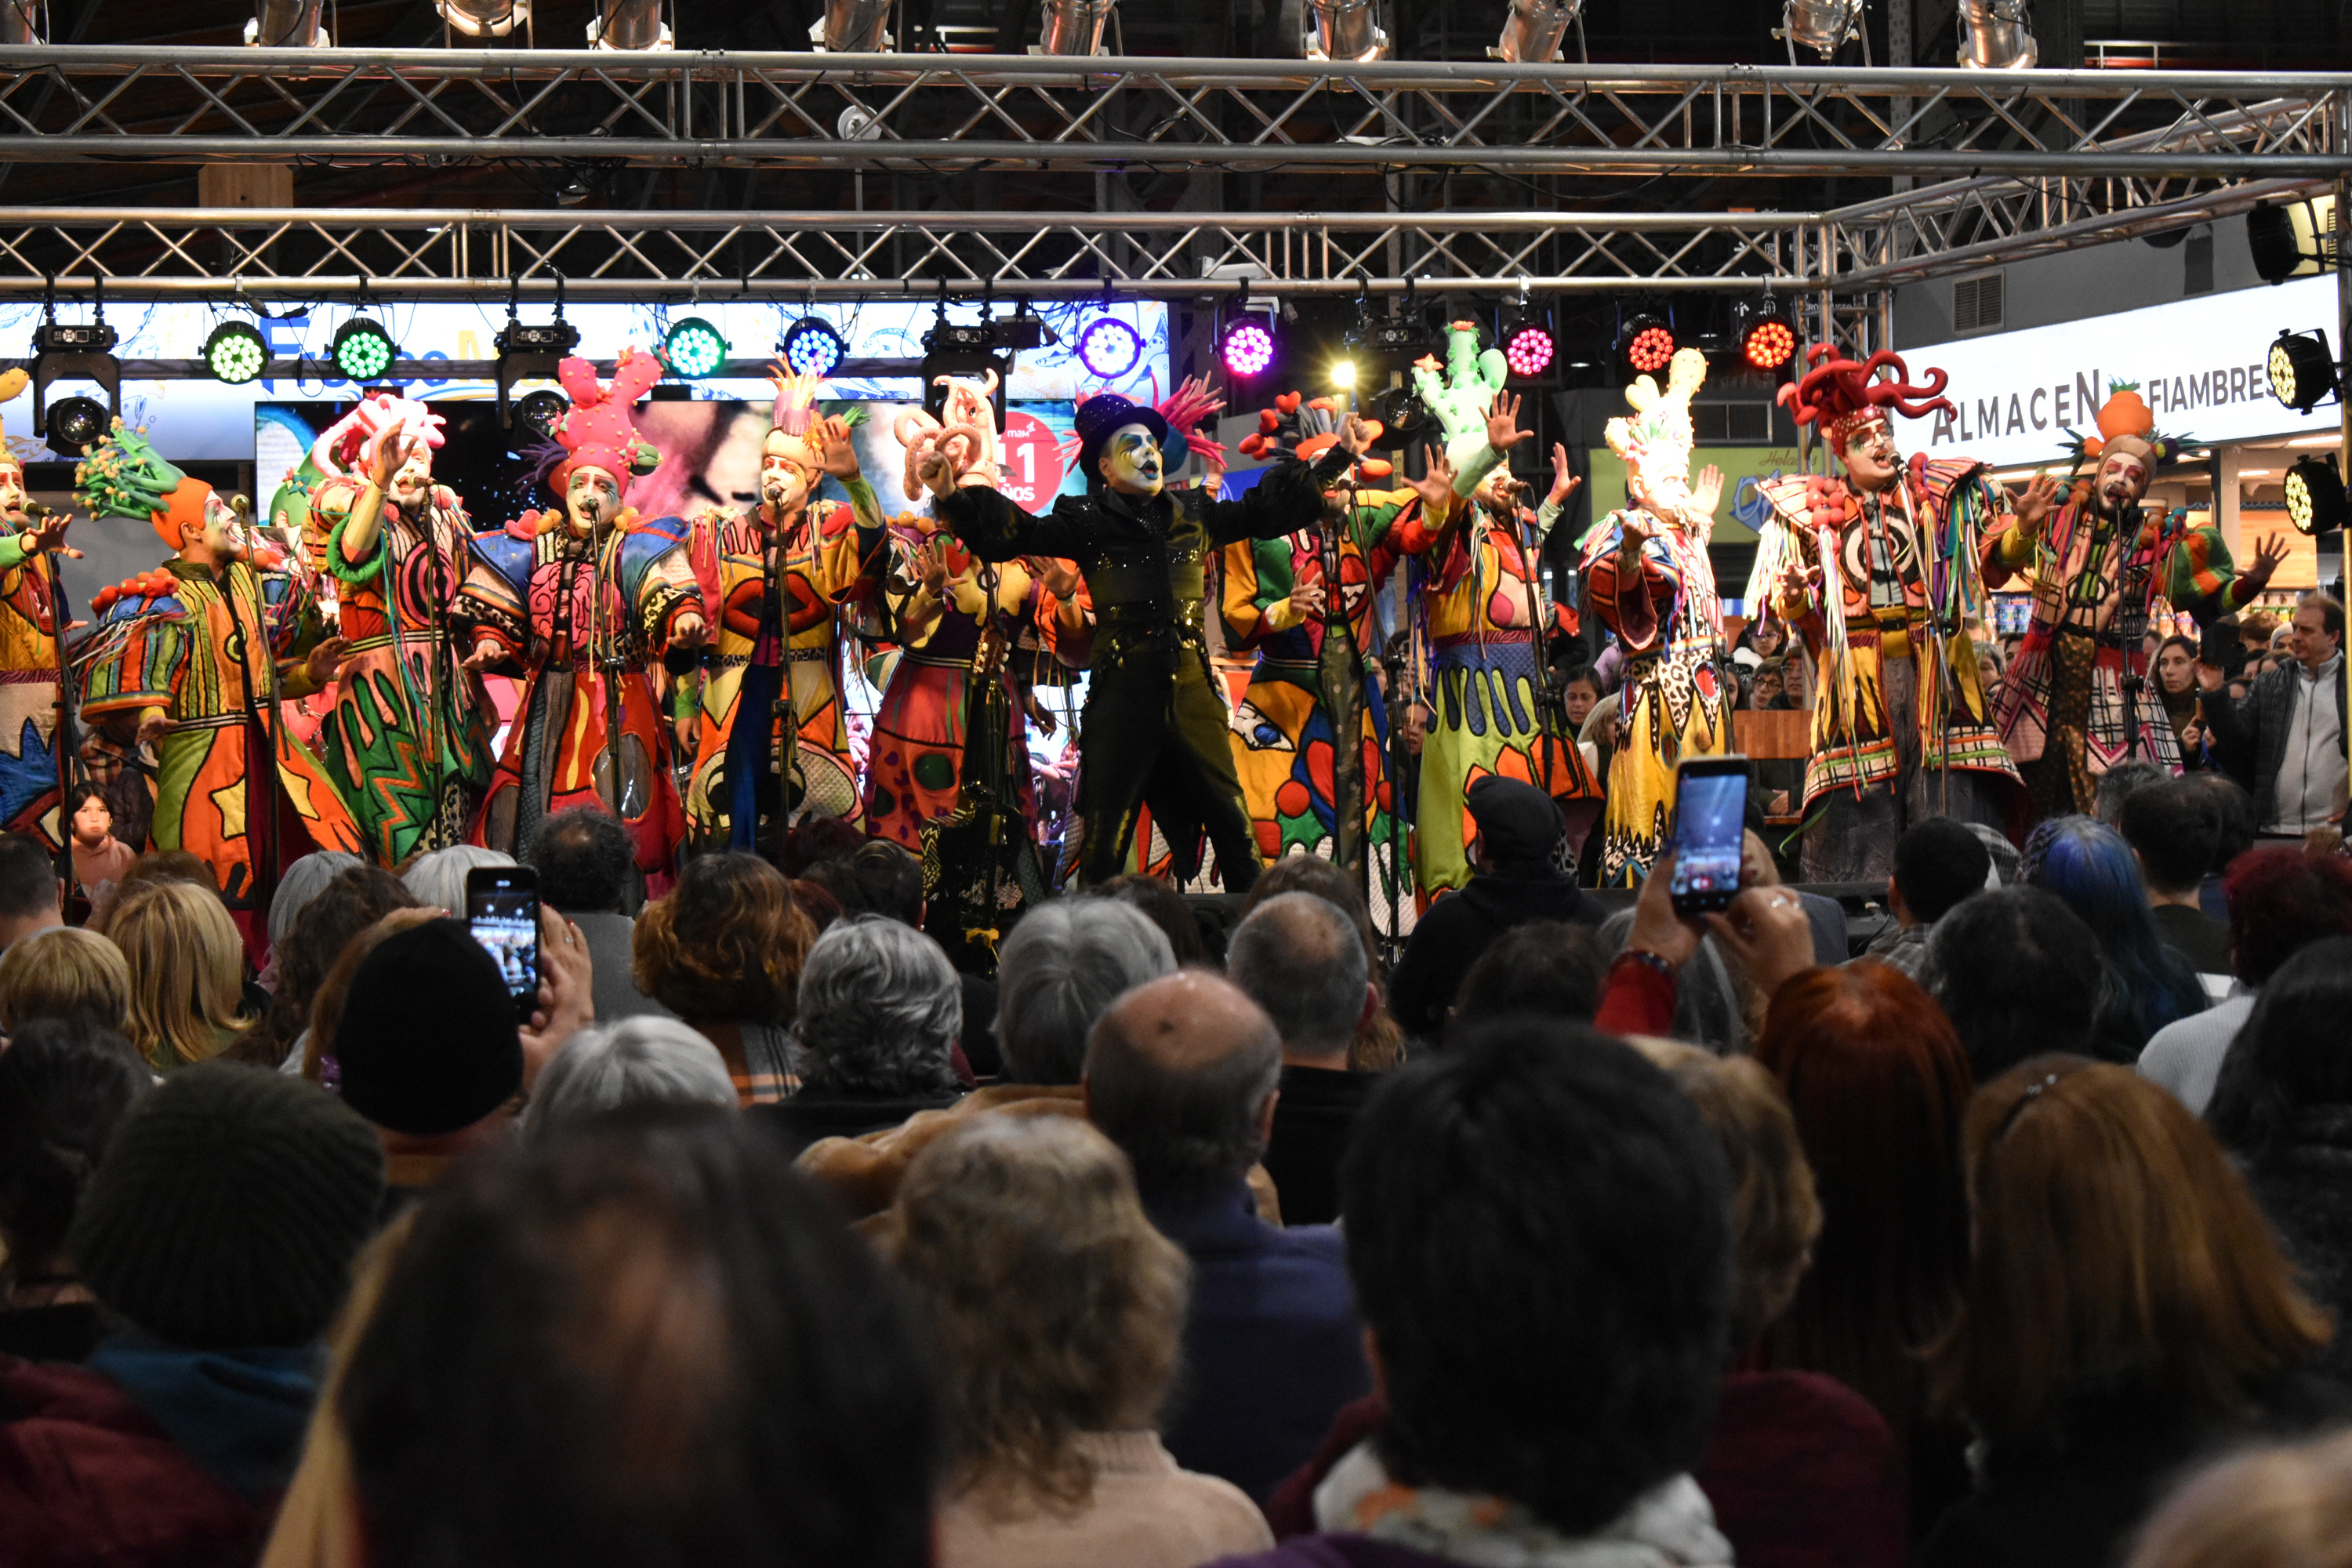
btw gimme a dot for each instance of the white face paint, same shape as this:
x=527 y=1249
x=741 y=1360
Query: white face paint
x=1871 y=459
x=2123 y=480
x=1131 y=461
x=11 y=487
x=224 y=531
x=592 y=499
x=412 y=482
x=785 y=485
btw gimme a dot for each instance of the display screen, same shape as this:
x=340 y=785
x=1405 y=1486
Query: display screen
x=506 y=922
x=1710 y=813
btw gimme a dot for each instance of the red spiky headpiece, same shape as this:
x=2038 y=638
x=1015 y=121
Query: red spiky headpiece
x=1844 y=397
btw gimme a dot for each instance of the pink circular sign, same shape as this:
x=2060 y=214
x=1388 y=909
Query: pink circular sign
x=1031 y=458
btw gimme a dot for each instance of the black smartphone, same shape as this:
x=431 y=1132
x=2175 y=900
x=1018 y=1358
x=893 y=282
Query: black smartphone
x=1710 y=821
x=502 y=911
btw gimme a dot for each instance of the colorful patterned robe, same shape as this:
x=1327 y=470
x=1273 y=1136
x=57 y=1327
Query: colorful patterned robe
x=28 y=694
x=537 y=596
x=2068 y=683
x=408 y=741
x=1900 y=576
x=827 y=559
x=1679 y=690
x=1284 y=745
x=1485 y=676
x=208 y=650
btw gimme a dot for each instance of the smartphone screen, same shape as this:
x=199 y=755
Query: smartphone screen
x=502 y=911
x=1710 y=816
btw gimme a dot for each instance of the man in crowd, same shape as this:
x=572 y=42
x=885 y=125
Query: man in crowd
x=1300 y=958
x=32 y=894
x=2174 y=829
x=586 y=866
x=1181 y=1074
x=1546 y=1400
x=220 y=1228
x=1519 y=832
x=2289 y=730
x=1937 y=862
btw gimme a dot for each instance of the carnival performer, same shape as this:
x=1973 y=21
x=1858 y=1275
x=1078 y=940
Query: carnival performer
x=30 y=779
x=578 y=603
x=1879 y=571
x=951 y=613
x=1310 y=736
x=771 y=744
x=1483 y=606
x=408 y=742
x=1647 y=577
x=2078 y=700
x=1155 y=727
x=192 y=659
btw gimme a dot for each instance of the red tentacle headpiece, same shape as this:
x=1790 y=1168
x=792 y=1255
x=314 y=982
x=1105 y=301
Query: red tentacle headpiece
x=1843 y=395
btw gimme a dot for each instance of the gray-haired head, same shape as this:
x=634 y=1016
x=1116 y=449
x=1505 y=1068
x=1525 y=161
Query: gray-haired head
x=438 y=880
x=1178 y=1072
x=1300 y=956
x=880 y=1008
x=303 y=881
x=1059 y=971
x=638 y=1061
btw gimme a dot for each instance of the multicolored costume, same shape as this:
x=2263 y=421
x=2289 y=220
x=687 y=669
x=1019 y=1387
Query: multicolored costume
x=1647 y=577
x=2077 y=700
x=214 y=648
x=30 y=779
x=409 y=739
x=778 y=592
x=1310 y=736
x=1902 y=729
x=1156 y=729
x=578 y=616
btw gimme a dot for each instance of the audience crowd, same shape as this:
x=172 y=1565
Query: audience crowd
x=2012 y=1229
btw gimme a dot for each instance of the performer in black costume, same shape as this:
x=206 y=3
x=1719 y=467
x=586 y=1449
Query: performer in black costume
x=1155 y=729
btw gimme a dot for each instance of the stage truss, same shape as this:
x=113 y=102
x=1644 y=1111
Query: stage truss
x=1985 y=167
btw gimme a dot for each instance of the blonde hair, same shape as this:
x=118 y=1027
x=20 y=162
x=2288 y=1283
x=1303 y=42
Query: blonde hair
x=1056 y=1304
x=2285 y=1507
x=1776 y=1217
x=64 y=973
x=187 y=970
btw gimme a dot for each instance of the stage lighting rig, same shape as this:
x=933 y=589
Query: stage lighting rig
x=853 y=27
x=287 y=24
x=1533 y=31
x=693 y=348
x=236 y=354
x=484 y=18
x=632 y=25
x=1993 y=35
x=2291 y=240
x=1766 y=337
x=1343 y=30
x=1647 y=342
x=974 y=350
x=1528 y=347
x=2301 y=372
x=2314 y=496
x=532 y=352
x=362 y=350
x=75 y=351
x=810 y=347
x=1822 y=26
x=1108 y=347
x=1245 y=345
x=1073 y=27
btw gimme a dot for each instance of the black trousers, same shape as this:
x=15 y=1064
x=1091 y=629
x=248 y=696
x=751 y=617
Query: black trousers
x=1161 y=737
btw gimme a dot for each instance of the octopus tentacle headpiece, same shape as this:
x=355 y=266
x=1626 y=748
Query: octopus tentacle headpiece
x=1842 y=396
x=1185 y=409
x=1298 y=428
x=1656 y=437
x=123 y=476
x=599 y=430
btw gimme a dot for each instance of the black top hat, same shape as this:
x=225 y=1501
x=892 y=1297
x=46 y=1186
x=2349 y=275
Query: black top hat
x=1101 y=414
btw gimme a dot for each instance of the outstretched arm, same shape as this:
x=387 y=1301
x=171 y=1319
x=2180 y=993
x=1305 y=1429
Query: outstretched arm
x=990 y=526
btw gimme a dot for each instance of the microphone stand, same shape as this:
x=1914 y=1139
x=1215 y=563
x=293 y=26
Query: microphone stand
x=64 y=737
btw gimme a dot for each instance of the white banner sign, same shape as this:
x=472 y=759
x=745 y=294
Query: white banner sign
x=2198 y=362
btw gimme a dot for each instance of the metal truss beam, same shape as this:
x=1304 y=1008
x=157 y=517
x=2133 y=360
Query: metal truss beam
x=945 y=113
x=404 y=254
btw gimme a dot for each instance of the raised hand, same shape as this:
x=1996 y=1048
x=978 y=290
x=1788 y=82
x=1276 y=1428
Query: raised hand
x=326 y=660
x=2033 y=504
x=2269 y=553
x=1706 y=491
x=930 y=564
x=1563 y=480
x=935 y=471
x=48 y=533
x=1059 y=578
x=1434 y=488
x=1355 y=436
x=1503 y=431
x=838 y=452
x=390 y=454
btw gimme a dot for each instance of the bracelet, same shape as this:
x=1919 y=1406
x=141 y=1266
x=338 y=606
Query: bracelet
x=1643 y=955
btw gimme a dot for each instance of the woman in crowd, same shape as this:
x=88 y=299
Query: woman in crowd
x=438 y=877
x=723 y=951
x=2148 y=985
x=99 y=858
x=186 y=965
x=352 y=901
x=2175 y=683
x=2283 y=1107
x=2126 y=1308
x=1878 y=1085
x=2048 y=961
x=1058 y=1310
x=1800 y=1469
x=880 y=1008
x=66 y=972
x=64 y=1085
x=647 y=1060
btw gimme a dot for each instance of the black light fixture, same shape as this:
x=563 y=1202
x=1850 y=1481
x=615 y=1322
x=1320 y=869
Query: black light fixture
x=1766 y=337
x=2314 y=496
x=2301 y=372
x=2286 y=240
x=236 y=354
x=72 y=350
x=532 y=352
x=812 y=347
x=1645 y=341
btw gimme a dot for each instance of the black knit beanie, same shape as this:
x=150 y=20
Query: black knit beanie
x=229 y=1208
x=427 y=1043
